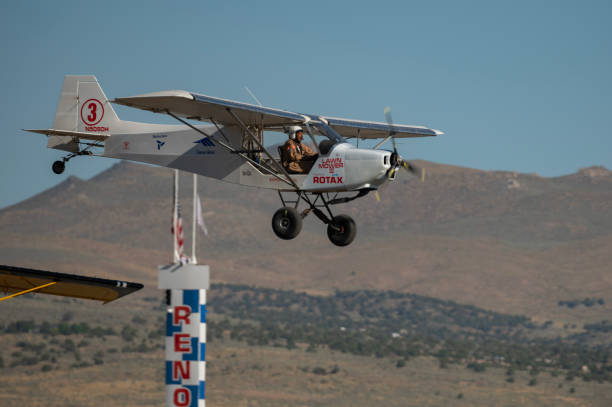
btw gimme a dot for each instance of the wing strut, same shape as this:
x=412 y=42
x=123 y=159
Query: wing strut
x=27 y=291
x=256 y=164
x=381 y=143
x=249 y=133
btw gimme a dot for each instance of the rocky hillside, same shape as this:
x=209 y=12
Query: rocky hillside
x=505 y=241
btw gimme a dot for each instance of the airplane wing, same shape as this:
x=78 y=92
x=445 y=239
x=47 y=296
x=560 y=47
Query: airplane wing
x=203 y=108
x=371 y=130
x=21 y=280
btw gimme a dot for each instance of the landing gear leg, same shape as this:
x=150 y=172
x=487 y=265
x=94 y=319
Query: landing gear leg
x=58 y=166
x=341 y=229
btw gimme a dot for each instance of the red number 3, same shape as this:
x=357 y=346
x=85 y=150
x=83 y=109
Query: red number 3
x=91 y=117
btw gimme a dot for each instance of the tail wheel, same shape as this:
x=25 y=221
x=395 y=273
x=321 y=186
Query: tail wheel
x=286 y=223
x=58 y=167
x=342 y=230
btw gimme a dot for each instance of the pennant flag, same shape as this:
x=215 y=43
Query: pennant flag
x=200 y=217
x=177 y=231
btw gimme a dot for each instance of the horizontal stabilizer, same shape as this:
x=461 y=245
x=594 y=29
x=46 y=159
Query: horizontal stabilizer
x=78 y=134
x=20 y=280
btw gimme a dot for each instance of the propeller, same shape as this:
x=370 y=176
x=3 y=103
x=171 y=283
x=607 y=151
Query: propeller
x=396 y=160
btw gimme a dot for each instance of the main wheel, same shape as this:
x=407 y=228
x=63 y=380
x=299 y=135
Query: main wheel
x=342 y=230
x=58 y=167
x=286 y=223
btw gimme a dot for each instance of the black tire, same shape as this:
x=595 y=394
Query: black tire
x=342 y=230
x=58 y=167
x=286 y=223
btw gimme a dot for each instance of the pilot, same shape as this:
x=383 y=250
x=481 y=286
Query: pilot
x=298 y=158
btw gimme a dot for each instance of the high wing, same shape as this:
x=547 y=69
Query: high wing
x=207 y=108
x=21 y=280
x=371 y=130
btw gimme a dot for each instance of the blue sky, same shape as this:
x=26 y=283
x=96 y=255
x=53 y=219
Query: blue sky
x=522 y=86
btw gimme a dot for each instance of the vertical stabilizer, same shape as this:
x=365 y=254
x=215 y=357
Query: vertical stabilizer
x=82 y=107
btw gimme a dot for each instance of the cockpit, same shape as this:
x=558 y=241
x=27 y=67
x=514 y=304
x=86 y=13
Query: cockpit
x=322 y=135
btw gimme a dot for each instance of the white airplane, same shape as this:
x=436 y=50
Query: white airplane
x=231 y=148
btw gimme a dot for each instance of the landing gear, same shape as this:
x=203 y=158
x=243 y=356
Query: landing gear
x=286 y=223
x=341 y=229
x=58 y=167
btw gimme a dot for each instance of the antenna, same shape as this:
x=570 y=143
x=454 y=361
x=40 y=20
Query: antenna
x=252 y=95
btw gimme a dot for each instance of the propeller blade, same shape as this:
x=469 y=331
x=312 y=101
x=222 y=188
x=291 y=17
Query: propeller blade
x=407 y=166
x=380 y=190
x=390 y=122
x=414 y=169
x=388 y=115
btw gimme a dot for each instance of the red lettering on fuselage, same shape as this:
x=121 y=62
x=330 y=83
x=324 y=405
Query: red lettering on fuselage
x=332 y=163
x=327 y=180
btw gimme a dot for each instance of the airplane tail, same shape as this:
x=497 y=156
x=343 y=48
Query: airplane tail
x=82 y=109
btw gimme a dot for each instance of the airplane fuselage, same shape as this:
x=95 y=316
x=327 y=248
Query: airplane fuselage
x=343 y=168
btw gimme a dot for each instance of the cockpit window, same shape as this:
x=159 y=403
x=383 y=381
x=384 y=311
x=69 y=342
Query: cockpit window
x=324 y=130
x=323 y=136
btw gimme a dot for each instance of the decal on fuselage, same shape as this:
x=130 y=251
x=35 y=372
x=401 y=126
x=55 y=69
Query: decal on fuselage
x=332 y=164
x=206 y=146
x=334 y=179
x=205 y=141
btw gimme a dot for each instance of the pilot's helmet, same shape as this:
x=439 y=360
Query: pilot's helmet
x=293 y=131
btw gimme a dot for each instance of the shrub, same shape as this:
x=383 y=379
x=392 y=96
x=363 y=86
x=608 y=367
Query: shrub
x=477 y=367
x=139 y=320
x=128 y=333
x=68 y=345
x=319 y=371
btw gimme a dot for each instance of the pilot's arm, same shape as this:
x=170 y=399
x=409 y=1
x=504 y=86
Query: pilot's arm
x=307 y=152
x=292 y=153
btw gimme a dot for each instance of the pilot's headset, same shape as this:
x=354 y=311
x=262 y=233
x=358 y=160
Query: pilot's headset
x=293 y=131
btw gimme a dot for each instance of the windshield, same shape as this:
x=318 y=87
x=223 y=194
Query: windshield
x=320 y=128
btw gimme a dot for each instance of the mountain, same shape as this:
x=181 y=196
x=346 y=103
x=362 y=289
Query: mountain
x=504 y=241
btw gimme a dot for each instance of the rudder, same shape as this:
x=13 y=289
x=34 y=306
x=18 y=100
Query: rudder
x=82 y=107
